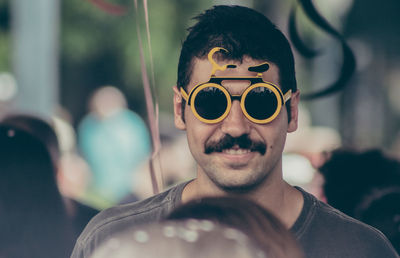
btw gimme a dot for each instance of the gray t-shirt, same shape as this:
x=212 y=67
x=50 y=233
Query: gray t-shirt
x=321 y=230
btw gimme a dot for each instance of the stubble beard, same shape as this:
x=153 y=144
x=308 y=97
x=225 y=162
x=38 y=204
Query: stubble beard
x=237 y=178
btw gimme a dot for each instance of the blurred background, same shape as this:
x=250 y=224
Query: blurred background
x=55 y=54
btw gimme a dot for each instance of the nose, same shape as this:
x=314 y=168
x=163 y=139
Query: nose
x=235 y=124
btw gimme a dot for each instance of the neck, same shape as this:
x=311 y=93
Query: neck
x=274 y=194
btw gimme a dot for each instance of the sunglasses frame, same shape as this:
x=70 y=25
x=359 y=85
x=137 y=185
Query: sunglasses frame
x=255 y=81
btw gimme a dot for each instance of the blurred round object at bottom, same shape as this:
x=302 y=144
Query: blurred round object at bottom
x=180 y=239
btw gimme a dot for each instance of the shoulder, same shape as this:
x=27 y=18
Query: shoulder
x=132 y=213
x=116 y=219
x=325 y=229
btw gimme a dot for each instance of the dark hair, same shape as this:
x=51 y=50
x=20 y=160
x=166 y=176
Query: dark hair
x=34 y=222
x=243 y=32
x=247 y=216
x=381 y=209
x=38 y=127
x=349 y=175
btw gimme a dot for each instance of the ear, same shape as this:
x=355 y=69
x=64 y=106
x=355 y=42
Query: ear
x=179 y=123
x=294 y=111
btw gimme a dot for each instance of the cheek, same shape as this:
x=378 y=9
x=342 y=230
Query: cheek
x=274 y=133
x=194 y=139
x=280 y=138
x=197 y=133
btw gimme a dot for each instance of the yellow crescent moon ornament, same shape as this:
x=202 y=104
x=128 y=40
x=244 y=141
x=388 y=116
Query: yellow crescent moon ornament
x=215 y=66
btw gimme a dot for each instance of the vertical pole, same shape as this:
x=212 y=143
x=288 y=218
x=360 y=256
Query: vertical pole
x=35 y=33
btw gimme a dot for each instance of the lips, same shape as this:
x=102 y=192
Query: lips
x=236 y=158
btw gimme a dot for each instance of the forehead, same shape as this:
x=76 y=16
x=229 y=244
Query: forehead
x=201 y=70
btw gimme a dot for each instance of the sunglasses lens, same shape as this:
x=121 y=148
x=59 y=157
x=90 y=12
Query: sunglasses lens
x=210 y=103
x=261 y=103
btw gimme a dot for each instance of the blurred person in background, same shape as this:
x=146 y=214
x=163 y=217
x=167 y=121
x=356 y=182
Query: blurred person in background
x=174 y=147
x=115 y=141
x=173 y=172
x=74 y=172
x=350 y=175
x=34 y=222
x=365 y=185
x=180 y=239
x=79 y=213
x=245 y=215
x=238 y=145
x=381 y=209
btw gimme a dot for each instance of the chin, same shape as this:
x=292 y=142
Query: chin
x=240 y=187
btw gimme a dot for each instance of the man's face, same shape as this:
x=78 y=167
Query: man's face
x=242 y=164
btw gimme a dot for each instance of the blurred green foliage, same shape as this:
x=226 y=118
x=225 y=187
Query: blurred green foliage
x=5 y=37
x=98 y=49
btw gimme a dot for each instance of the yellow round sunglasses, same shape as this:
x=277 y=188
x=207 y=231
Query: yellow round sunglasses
x=211 y=102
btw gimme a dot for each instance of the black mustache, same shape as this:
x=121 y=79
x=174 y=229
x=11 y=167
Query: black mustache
x=227 y=142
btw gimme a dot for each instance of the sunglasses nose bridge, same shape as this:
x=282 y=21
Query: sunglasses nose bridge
x=236 y=97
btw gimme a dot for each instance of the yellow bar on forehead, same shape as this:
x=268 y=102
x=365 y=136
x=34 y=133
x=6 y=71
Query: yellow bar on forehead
x=260 y=68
